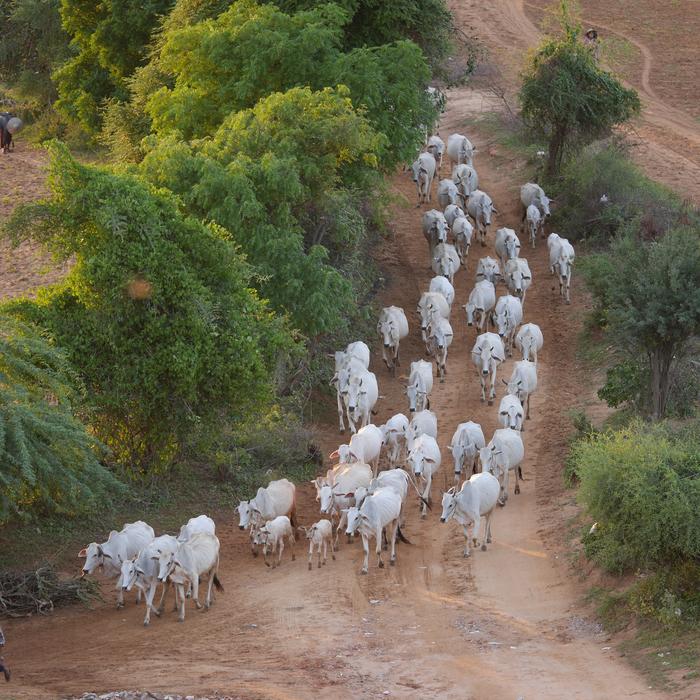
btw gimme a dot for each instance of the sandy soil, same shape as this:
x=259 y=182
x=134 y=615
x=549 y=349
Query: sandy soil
x=507 y=623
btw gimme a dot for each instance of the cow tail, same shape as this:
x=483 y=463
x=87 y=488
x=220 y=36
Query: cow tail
x=520 y=473
x=401 y=535
x=293 y=517
x=217 y=583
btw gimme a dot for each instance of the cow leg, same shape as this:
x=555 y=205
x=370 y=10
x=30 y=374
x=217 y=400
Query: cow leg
x=280 y=547
x=149 y=602
x=212 y=573
x=465 y=530
x=488 y=530
x=161 y=602
x=483 y=387
x=426 y=493
x=527 y=402
x=492 y=390
x=476 y=528
x=517 y=481
x=341 y=411
x=120 y=593
x=506 y=481
x=365 y=548
x=311 y=554
x=394 y=533
x=195 y=591
x=378 y=536
x=292 y=542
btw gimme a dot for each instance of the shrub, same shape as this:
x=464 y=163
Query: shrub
x=48 y=462
x=642 y=486
x=156 y=313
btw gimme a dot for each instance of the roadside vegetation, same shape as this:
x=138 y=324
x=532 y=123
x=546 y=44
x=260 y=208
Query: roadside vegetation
x=639 y=253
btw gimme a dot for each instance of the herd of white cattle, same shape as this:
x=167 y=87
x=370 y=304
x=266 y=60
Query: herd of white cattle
x=355 y=495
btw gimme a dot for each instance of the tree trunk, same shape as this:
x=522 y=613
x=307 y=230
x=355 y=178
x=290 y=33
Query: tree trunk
x=556 y=149
x=660 y=361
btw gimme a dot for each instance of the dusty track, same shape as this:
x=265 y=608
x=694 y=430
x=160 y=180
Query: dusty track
x=502 y=625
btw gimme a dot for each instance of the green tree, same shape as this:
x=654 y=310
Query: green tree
x=258 y=175
x=156 y=312
x=48 y=461
x=652 y=301
x=110 y=40
x=33 y=45
x=567 y=97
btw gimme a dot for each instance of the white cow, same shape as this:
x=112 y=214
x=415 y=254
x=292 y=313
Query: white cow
x=477 y=497
x=364 y=446
x=510 y=412
x=202 y=523
x=452 y=212
x=339 y=496
x=422 y=423
x=529 y=341
x=420 y=384
x=480 y=208
x=507 y=244
x=119 y=547
x=561 y=260
x=347 y=362
x=508 y=315
x=142 y=571
x=424 y=168
x=395 y=479
x=392 y=328
x=523 y=383
x=442 y=285
x=445 y=261
x=195 y=558
x=395 y=432
x=320 y=536
x=424 y=460
x=462 y=232
x=488 y=269
x=431 y=303
x=460 y=150
x=504 y=454
x=436 y=148
x=467 y=440
x=447 y=193
x=534 y=194
x=440 y=337
x=482 y=300
x=487 y=354
x=535 y=222
x=435 y=229
x=277 y=498
x=360 y=396
x=466 y=179
x=272 y=536
x=518 y=277
x=379 y=511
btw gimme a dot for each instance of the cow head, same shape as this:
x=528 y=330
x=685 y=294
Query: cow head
x=418 y=463
x=352 y=394
x=166 y=564
x=416 y=396
x=386 y=332
x=483 y=355
x=502 y=319
x=244 y=513
x=355 y=519
x=94 y=557
x=128 y=574
x=515 y=387
x=512 y=247
x=449 y=504
x=511 y=415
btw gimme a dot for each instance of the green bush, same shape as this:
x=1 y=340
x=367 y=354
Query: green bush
x=48 y=462
x=156 y=313
x=642 y=486
x=632 y=198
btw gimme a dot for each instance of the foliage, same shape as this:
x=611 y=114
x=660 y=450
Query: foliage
x=606 y=170
x=377 y=22
x=568 y=97
x=110 y=39
x=256 y=177
x=156 y=312
x=652 y=301
x=626 y=383
x=33 y=44
x=642 y=486
x=48 y=462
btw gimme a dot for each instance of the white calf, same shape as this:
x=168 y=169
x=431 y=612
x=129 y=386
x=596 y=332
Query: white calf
x=420 y=384
x=523 y=382
x=477 y=497
x=535 y=222
x=561 y=260
x=423 y=173
x=507 y=317
x=395 y=432
x=487 y=354
x=462 y=231
x=272 y=536
x=320 y=536
x=440 y=336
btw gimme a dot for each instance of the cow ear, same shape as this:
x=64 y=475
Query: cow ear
x=333 y=454
x=452 y=491
x=82 y=554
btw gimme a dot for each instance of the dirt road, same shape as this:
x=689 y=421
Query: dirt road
x=502 y=625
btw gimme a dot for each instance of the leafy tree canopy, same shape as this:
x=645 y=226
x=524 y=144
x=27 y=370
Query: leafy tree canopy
x=48 y=461
x=156 y=312
x=255 y=177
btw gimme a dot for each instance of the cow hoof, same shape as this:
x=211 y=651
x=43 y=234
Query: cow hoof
x=180 y=619
x=342 y=431
x=467 y=555
x=381 y=564
x=120 y=606
x=146 y=623
x=319 y=564
x=294 y=557
x=333 y=555
x=501 y=503
x=310 y=567
x=363 y=572
x=483 y=547
x=490 y=402
x=255 y=554
x=392 y=562
x=517 y=490
x=482 y=400
x=266 y=564
x=158 y=612
x=442 y=380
